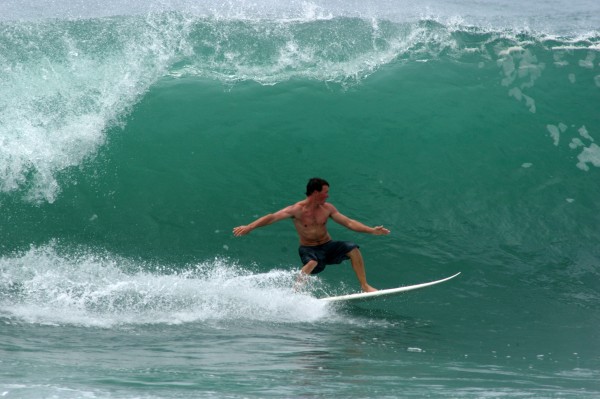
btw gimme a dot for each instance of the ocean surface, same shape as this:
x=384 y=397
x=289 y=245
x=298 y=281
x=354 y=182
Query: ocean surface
x=135 y=135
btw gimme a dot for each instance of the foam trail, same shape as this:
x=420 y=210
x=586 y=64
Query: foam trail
x=91 y=289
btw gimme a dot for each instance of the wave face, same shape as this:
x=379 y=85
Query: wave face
x=134 y=137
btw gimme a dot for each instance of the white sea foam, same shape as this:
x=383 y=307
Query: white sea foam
x=46 y=286
x=583 y=15
x=56 y=107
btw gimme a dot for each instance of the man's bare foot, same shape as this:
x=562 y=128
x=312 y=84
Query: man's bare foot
x=368 y=288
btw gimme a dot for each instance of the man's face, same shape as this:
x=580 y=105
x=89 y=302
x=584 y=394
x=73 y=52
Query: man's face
x=322 y=195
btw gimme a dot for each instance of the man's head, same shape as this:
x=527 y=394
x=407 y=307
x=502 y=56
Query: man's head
x=315 y=184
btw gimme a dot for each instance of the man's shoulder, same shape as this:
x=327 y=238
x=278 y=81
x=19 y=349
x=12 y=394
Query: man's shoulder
x=329 y=205
x=298 y=204
x=330 y=208
x=296 y=208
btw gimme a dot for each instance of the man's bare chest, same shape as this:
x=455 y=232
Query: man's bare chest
x=314 y=217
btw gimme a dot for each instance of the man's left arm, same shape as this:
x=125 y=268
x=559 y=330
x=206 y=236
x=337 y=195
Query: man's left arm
x=356 y=225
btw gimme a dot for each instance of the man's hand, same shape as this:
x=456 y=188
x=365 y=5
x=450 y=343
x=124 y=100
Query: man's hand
x=380 y=231
x=241 y=230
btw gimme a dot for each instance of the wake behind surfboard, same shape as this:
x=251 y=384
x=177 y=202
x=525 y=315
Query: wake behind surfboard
x=364 y=296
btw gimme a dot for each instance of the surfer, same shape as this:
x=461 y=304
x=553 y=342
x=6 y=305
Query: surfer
x=317 y=249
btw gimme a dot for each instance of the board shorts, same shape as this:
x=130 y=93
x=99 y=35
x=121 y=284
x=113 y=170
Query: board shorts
x=330 y=253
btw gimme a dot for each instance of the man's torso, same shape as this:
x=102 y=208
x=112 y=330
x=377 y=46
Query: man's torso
x=310 y=222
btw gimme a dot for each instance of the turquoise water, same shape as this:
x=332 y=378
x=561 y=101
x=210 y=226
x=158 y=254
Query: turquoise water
x=134 y=137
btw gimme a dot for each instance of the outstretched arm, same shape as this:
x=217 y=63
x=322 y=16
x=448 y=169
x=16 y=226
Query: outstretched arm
x=358 y=226
x=263 y=221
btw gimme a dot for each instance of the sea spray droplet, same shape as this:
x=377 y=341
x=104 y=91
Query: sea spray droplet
x=588 y=62
x=584 y=133
x=554 y=133
x=414 y=349
x=575 y=143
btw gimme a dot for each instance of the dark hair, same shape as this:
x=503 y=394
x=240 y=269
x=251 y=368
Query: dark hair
x=315 y=184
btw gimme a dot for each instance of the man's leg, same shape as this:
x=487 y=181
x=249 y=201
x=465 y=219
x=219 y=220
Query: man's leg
x=359 y=268
x=309 y=267
x=304 y=273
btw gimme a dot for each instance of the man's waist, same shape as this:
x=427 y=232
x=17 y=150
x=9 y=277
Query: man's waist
x=314 y=243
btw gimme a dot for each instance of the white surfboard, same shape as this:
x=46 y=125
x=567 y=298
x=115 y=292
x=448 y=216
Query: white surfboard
x=363 y=296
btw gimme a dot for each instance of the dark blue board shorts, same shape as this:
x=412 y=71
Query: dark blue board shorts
x=330 y=253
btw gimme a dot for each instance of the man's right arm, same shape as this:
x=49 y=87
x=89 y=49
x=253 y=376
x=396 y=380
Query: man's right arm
x=271 y=218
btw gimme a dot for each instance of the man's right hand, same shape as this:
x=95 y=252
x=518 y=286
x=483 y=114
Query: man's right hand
x=380 y=231
x=241 y=230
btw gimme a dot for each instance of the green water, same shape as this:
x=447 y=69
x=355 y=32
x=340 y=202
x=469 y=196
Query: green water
x=125 y=161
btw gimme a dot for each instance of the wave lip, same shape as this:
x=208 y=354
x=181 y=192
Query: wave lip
x=579 y=15
x=67 y=82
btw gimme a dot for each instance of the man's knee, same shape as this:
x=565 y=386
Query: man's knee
x=309 y=266
x=354 y=253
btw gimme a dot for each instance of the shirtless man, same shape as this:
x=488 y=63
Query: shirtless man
x=317 y=249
